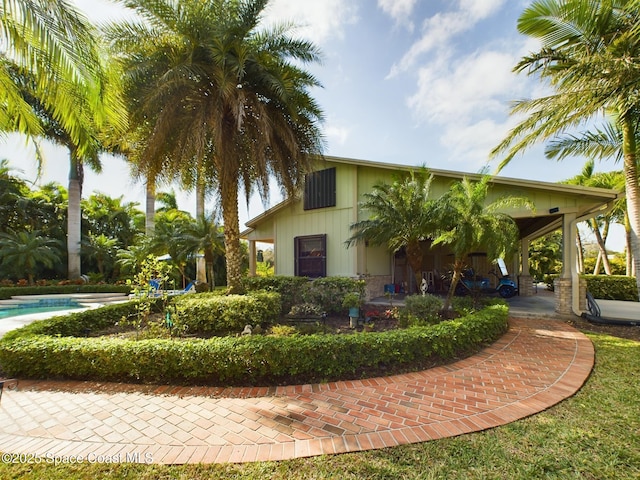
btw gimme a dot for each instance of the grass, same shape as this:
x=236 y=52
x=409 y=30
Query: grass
x=593 y=435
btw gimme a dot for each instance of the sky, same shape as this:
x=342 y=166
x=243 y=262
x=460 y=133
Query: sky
x=413 y=82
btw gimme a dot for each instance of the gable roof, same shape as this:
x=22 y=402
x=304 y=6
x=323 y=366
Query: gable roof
x=605 y=195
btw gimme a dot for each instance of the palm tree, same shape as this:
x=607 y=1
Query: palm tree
x=83 y=139
x=399 y=215
x=103 y=250
x=216 y=88
x=589 y=56
x=167 y=236
x=54 y=44
x=26 y=252
x=467 y=223
x=599 y=144
x=205 y=236
x=112 y=217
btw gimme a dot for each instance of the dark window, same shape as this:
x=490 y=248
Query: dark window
x=320 y=189
x=311 y=256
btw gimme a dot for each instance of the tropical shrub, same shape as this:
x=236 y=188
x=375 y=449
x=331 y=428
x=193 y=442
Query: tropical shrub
x=329 y=292
x=209 y=314
x=289 y=288
x=420 y=310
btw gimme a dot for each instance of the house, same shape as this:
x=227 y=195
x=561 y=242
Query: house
x=308 y=232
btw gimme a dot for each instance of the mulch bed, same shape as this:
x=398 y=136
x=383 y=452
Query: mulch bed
x=621 y=331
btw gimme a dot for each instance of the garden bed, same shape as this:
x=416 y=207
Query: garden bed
x=45 y=351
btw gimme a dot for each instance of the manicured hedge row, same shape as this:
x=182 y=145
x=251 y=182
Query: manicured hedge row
x=612 y=287
x=8 y=292
x=247 y=360
x=210 y=313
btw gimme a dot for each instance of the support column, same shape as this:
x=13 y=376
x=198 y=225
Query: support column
x=252 y=258
x=567 y=287
x=525 y=281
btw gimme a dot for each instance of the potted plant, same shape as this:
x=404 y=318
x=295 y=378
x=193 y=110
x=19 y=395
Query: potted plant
x=352 y=301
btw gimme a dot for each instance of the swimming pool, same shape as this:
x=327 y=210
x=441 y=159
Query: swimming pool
x=29 y=307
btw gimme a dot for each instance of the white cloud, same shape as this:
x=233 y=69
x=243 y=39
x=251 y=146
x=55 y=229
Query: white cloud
x=439 y=29
x=336 y=134
x=319 y=20
x=470 y=145
x=468 y=97
x=475 y=85
x=399 y=10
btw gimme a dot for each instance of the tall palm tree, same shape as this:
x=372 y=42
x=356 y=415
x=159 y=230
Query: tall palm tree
x=81 y=136
x=400 y=215
x=214 y=85
x=467 y=222
x=589 y=56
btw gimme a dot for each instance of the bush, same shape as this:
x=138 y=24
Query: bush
x=612 y=287
x=420 y=310
x=329 y=292
x=250 y=359
x=289 y=288
x=214 y=314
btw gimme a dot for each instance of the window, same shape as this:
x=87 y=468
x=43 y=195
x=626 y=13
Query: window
x=320 y=189
x=311 y=256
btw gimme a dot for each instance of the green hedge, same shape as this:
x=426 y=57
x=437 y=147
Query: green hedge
x=612 y=287
x=8 y=292
x=213 y=313
x=606 y=287
x=248 y=360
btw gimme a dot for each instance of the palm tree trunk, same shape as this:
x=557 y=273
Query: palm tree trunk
x=632 y=189
x=150 y=208
x=201 y=267
x=74 y=216
x=414 y=259
x=455 y=279
x=602 y=250
x=580 y=251
x=596 y=269
x=229 y=198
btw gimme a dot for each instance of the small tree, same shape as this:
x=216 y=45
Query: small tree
x=467 y=223
x=400 y=215
x=26 y=252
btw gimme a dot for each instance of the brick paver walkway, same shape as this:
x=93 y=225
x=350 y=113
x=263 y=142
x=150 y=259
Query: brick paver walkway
x=535 y=365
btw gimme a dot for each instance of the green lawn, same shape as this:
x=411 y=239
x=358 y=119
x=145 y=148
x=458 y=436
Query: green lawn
x=594 y=435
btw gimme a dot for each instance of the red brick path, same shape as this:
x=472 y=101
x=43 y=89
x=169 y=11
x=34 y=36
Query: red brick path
x=537 y=364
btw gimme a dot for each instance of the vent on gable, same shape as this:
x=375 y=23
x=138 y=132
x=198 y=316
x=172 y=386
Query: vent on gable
x=320 y=189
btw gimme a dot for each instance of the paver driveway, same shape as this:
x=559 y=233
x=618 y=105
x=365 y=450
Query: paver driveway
x=536 y=364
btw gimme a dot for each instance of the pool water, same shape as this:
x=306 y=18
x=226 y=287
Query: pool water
x=40 y=306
